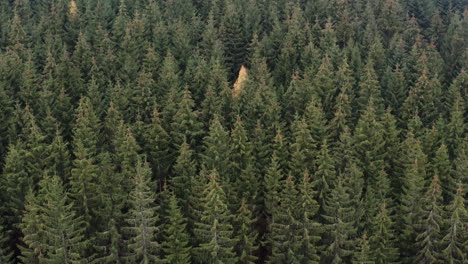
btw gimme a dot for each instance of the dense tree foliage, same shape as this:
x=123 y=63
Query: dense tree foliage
x=215 y=131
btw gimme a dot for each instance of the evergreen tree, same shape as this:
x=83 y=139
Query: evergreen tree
x=429 y=225
x=339 y=238
x=383 y=247
x=455 y=233
x=272 y=187
x=342 y=108
x=31 y=227
x=52 y=229
x=186 y=122
x=369 y=142
x=216 y=152
x=86 y=131
x=412 y=187
x=441 y=167
x=58 y=160
x=6 y=255
x=155 y=144
x=83 y=181
x=214 y=232
x=141 y=229
x=282 y=229
x=369 y=89
x=363 y=254
x=325 y=174
x=309 y=229
x=185 y=170
x=323 y=86
x=302 y=150
x=176 y=240
x=234 y=39
x=245 y=234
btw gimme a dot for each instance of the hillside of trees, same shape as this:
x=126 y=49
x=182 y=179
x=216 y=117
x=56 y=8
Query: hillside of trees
x=233 y=131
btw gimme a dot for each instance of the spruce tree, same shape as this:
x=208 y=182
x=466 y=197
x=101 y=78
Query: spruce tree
x=440 y=166
x=429 y=226
x=383 y=238
x=176 y=240
x=282 y=235
x=32 y=229
x=271 y=184
x=309 y=229
x=323 y=86
x=369 y=142
x=246 y=235
x=141 y=220
x=342 y=110
x=216 y=151
x=339 y=215
x=363 y=254
x=58 y=158
x=52 y=229
x=213 y=232
x=186 y=122
x=325 y=174
x=369 y=89
x=412 y=185
x=155 y=144
x=6 y=254
x=454 y=232
x=302 y=149
x=185 y=170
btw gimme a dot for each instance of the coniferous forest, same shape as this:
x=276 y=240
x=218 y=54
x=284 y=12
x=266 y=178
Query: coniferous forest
x=233 y=131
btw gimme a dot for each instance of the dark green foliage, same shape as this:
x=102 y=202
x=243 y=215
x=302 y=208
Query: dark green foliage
x=246 y=235
x=455 y=233
x=54 y=233
x=383 y=247
x=176 y=240
x=141 y=228
x=284 y=244
x=214 y=232
x=363 y=254
x=321 y=123
x=339 y=215
x=216 y=152
x=6 y=254
x=430 y=224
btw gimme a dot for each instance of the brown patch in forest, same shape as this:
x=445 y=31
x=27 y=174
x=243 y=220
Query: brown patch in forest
x=73 y=8
x=239 y=84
